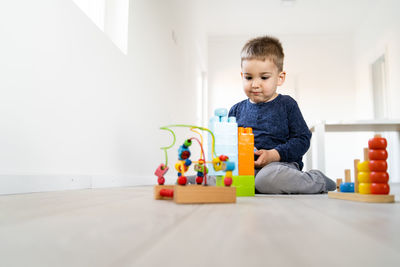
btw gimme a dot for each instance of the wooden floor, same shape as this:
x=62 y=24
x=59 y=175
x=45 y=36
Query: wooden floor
x=126 y=227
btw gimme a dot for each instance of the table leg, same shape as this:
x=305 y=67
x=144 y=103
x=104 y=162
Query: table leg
x=320 y=143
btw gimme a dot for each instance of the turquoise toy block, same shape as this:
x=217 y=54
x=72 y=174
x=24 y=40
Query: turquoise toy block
x=245 y=186
x=221 y=112
x=225 y=130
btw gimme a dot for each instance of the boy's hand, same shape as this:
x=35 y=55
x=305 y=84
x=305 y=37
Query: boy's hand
x=265 y=157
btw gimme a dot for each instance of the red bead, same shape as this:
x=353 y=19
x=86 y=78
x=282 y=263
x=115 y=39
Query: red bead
x=228 y=181
x=185 y=154
x=199 y=180
x=380 y=189
x=161 y=180
x=379 y=177
x=182 y=180
x=377 y=154
x=377 y=143
x=377 y=165
x=223 y=158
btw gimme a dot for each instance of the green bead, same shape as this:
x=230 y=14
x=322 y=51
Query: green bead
x=187 y=143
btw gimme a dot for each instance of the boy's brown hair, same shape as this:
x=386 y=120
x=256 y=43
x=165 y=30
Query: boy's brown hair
x=262 y=48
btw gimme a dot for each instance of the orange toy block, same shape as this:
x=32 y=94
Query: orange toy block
x=246 y=151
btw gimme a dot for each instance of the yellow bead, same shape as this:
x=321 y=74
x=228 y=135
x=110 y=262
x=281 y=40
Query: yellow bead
x=363 y=177
x=364 y=188
x=217 y=164
x=228 y=174
x=178 y=166
x=363 y=166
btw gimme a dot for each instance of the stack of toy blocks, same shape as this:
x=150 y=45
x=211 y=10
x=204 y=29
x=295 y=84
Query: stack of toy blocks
x=243 y=156
x=226 y=139
x=245 y=179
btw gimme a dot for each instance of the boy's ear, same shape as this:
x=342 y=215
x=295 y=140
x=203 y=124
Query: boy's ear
x=281 y=78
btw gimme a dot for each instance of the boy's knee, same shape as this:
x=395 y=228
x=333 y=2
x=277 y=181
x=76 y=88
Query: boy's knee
x=268 y=178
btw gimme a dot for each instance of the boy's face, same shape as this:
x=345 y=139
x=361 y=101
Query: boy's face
x=261 y=79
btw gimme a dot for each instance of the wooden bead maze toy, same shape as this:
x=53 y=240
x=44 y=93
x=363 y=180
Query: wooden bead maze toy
x=182 y=193
x=370 y=176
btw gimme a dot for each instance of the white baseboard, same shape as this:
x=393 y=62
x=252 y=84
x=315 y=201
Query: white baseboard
x=18 y=184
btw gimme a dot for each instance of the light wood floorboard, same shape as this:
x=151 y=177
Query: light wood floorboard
x=127 y=227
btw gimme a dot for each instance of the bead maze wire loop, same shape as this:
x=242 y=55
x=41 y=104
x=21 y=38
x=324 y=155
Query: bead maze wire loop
x=200 y=143
x=188 y=126
x=168 y=147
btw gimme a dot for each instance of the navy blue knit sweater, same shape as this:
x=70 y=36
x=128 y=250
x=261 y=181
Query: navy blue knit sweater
x=276 y=124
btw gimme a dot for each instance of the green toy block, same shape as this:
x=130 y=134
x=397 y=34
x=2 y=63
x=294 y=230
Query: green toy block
x=244 y=184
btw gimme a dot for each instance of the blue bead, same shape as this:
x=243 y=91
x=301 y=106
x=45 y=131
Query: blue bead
x=181 y=150
x=188 y=162
x=230 y=166
x=200 y=174
x=347 y=187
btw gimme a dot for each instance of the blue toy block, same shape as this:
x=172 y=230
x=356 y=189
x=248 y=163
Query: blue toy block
x=226 y=139
x=347 y=187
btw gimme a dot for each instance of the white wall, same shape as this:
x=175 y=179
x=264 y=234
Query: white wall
x=75 y=112
x=379 y=35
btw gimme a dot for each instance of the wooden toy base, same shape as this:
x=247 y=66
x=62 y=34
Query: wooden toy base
x=197 y=194
x=362 y=197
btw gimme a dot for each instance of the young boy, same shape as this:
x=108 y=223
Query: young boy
x=281 y=136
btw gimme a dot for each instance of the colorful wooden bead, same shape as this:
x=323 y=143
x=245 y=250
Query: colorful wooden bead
x=377 y=165
x=363 y=166
x=377 y=143
x=199 y=180
x=217 y=164
x=377 y=154
x=187 y=143
x=229 y=166
x=380 y=189
x=161 y=170
x=363 y=177
x=181 y=167
x=228 y=181
x=364 y=188
x=347 y=187
x=379 y=177
x=161 y=180
x=182 y=180
x=223 y=158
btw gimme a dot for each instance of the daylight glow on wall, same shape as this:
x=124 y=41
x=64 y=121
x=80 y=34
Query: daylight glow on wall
x=111 y=16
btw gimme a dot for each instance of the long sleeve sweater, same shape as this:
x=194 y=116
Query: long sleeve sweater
x=277 y=124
